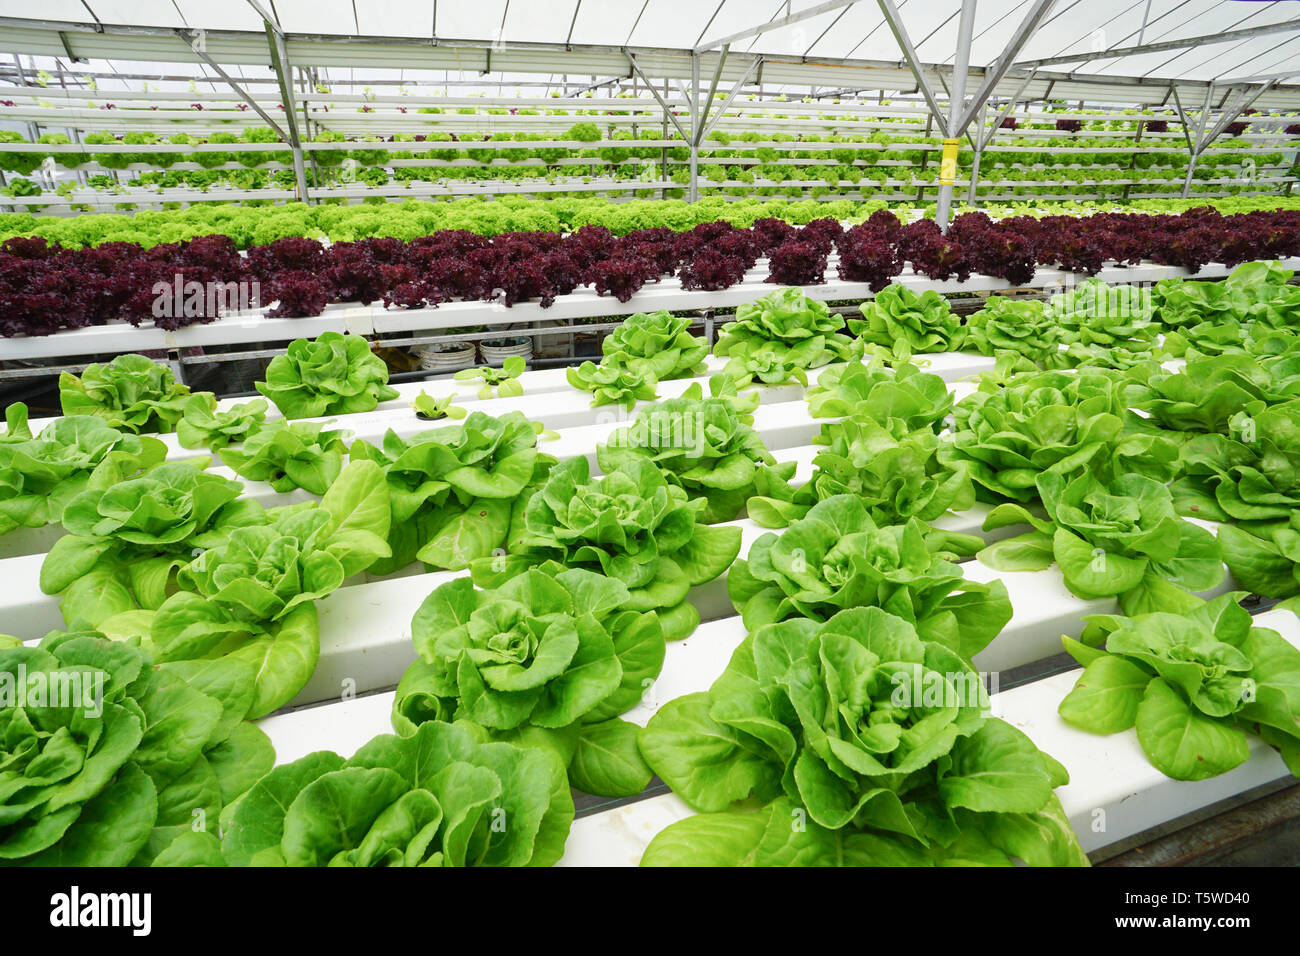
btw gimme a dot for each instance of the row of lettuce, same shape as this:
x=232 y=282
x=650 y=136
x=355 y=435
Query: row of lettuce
x=769 y=167
x=248 y=225
x=576 y=582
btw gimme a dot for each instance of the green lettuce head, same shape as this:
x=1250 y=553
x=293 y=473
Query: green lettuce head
x=445 y=796
x=661 y=339
x=1193 y=681
x=125 y=542
x=703 y=445
x=863 y=745
x=908 y=322
x=132 y=393
x=454 y=489
x=1107 y=538
x=1021 y=326
x=40 y=476
x=632 y=525
x=108 y=758
x=836 y=557
x=874 y=390
x=335 y=374
x=553 y=654
x=802 y=331
x=1058 y=421
x=894 y=472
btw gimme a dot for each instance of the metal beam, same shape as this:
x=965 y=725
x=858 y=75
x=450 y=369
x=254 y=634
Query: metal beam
x=663 y=104
x=956 y=105
x=713 y=91
x=994 y=74
x=1260 y=78
x=280 y=63
x=266 y=16
x=1196 y=148
x=722 y=110
x=1005 y=112
x=1182 y=119
x=417 y=44
x=909 y=54
x=773 y=25
x=231 y=82
x=1163 y=45
x=1242 y=104
x=693 y=192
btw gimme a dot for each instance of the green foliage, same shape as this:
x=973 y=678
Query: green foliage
x=114 y=774
x=1193 y=681
x=437 y=798
x=837 y=557
x=632 y=525
x=131 y=393
x=913 y=771
x=456 y=491
x=908 y=322
x=335 y=374
x=502 y=382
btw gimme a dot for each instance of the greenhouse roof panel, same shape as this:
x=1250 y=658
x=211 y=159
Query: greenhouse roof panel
x=600 y=22
x=469 y=19
x=677 y=24
x=588 y=36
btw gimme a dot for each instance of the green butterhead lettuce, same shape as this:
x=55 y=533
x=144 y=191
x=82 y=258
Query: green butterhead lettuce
x=908 y=322
x=1057 y=421
x=1097 y=313
x=796 y=329
x=453 y=489
x=553 y=655
x=632 y=525
x=1106 y=537
x=334 y=374
x=1193 y=684
x=836 y=557
x=1021 y=326
x=125 y=542
x=864 y=745
x=874 y=390
x=40 y=476
x=202 y=426
x=251 y=597
x=131 y=393
x=704 y=446
x=289 y=455
x=894 y=471
x=128 y=756
x=662 y=340
x=445 y=796
x=614 y=382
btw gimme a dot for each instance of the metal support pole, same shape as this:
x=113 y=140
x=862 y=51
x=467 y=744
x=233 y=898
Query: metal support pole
x=693 y=193
x=713 y=91
x=956 y=103
x=280 y=63
x=975 y=166
x=1196 y=149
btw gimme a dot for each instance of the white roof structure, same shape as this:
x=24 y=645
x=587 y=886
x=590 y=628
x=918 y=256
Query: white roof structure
x=1129 y=51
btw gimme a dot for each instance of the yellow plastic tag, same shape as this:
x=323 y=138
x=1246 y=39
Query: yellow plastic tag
x=948 y=163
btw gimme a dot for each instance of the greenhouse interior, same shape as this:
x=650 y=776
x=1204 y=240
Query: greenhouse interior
x=650 y=433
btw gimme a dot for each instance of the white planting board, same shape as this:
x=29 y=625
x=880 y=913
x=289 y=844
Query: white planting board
x=237 y=328
x=1113 y=793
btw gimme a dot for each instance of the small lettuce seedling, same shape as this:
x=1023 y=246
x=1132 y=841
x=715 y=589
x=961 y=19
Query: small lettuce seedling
x=504 y=380
x=432 y=409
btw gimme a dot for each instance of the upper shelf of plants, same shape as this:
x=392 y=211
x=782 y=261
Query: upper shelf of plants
x=141 y=150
